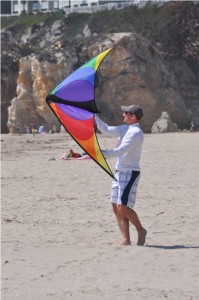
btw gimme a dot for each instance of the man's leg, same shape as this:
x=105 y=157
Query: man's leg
x=131 y=215
x=123 y=224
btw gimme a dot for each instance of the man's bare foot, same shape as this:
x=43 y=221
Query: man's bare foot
x=125 y=243
x=141 y=237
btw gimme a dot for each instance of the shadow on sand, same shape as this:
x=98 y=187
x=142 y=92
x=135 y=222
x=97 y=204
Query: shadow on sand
x=174 y=247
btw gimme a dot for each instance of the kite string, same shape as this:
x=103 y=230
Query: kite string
x=10 y=101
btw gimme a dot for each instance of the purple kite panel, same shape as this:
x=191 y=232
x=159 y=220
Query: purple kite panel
x=75 y=112
x=77 y=91
x=87 y=74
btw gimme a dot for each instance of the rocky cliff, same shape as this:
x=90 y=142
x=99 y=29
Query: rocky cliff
x=155 y=63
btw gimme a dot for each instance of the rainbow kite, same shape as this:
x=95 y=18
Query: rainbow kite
x=73 y=102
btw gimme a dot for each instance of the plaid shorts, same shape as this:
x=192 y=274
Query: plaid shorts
x=123 y=191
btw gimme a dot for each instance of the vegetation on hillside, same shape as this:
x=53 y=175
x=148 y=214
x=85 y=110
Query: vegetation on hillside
x=25 y=20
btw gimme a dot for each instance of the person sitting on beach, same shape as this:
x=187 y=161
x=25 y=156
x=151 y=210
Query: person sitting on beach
x=73 y=154
x=70 y=155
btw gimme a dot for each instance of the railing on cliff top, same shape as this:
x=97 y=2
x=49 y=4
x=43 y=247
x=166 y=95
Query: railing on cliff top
x=103 y=7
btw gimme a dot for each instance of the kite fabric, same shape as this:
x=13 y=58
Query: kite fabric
x=73 y=102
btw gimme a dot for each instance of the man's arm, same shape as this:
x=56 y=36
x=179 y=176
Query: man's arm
x=104 y=128
x=129 y=142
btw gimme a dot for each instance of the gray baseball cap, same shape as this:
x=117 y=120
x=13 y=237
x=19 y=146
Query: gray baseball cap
x=135 y=109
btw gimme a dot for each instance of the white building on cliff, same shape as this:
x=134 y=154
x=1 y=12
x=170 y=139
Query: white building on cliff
x=16 y=7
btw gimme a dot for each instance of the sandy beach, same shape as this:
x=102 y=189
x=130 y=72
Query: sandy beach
x=59 y=235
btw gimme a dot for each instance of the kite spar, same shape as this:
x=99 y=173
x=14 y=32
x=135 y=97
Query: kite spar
x=73 y=103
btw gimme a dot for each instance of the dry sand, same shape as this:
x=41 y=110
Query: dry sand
x=59 y=233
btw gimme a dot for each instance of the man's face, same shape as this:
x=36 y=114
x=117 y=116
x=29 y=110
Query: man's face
x=129 y=118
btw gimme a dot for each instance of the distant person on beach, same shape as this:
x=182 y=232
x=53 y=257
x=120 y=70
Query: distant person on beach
x=72 y=155
x=33 y=127
x=26 y=129
x=123 y=193
x=18 y=129
x=54 y=129
x=41 y=129
x=192 y=126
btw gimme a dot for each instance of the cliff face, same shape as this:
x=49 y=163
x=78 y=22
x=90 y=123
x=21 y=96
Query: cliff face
x=134 y=72
x=159 y=71
x=35 y=80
